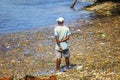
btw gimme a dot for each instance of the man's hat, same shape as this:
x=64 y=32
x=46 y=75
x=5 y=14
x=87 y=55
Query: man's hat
x=60 y=19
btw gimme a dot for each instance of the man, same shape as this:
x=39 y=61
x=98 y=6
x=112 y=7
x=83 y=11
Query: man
x=62 y=34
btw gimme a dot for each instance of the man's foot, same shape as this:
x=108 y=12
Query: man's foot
x=57 y=70
x=67 y=70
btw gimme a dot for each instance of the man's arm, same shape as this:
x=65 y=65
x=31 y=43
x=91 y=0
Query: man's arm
x=58 y=42
x=65 y=39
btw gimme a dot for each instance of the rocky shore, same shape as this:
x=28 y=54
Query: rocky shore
x=94 y=47
x=105 y=8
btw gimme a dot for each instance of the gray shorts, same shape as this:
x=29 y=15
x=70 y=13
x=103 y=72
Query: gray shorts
x=65 y=53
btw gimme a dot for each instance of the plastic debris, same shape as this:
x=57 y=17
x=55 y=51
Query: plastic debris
x=102 y=43
x=49 y=63
x=8 y=47
x=78 y=30
x=33 y=61
x=90 y=33
x=59 y=73
x=103 y=35
x=79 y=67
x=50 y=53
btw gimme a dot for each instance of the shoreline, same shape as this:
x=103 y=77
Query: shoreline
x=27 y=53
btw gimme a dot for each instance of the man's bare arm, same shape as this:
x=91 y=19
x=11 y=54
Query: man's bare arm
x=58 y=42
x=65 y=39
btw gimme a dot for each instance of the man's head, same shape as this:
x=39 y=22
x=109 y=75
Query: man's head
x=60 y=21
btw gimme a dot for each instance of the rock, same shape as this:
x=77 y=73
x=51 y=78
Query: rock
x=105 y=8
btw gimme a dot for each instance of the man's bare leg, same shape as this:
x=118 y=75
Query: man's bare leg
x=67 y=62
x=58 y=62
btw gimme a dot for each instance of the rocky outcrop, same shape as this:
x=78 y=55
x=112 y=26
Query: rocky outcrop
x=105 y=8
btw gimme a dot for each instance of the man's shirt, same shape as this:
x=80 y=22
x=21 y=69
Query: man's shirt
x=62 y=32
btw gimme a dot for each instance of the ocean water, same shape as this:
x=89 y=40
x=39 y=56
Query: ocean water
x=18 y=15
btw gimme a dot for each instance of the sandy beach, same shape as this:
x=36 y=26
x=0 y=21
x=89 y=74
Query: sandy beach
x=94 y=47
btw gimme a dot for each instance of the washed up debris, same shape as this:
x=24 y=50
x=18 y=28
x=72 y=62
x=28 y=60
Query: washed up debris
x=78 y=30
x=18 y=45
x=94 y=50
x=79 y=67
x=52 y=71
x=102 y=43
x=31 y=38
x=3 y=48
x=8 y=47
x=37 y=55
x=90 y=33
x=49 y=62
x=51 y=37
x=27 y=52
x=33 y=61
x=103 y=35
x=50 y=53
x=59 y=73
x=13 y=61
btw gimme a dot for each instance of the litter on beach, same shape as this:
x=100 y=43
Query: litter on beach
x=79 y=67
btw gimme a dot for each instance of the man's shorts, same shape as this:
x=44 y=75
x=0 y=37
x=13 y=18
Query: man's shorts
x=65 y=53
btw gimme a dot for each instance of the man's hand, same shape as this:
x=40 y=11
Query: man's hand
x=65 y=39
x=60 y=48
x=58 y=43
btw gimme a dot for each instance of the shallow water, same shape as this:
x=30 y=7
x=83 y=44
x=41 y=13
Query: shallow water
x=19 y=15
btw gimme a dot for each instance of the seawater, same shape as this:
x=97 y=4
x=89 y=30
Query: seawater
x=18 y=15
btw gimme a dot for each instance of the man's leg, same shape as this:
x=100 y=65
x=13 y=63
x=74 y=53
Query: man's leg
x=58 y=62
x=67 y=62
x=67 y=55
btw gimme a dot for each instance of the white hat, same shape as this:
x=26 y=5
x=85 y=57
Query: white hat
x=60 y=19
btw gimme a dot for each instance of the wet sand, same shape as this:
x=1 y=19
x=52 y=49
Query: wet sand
x=94 y=47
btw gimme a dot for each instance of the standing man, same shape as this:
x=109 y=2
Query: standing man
x=62 y=34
